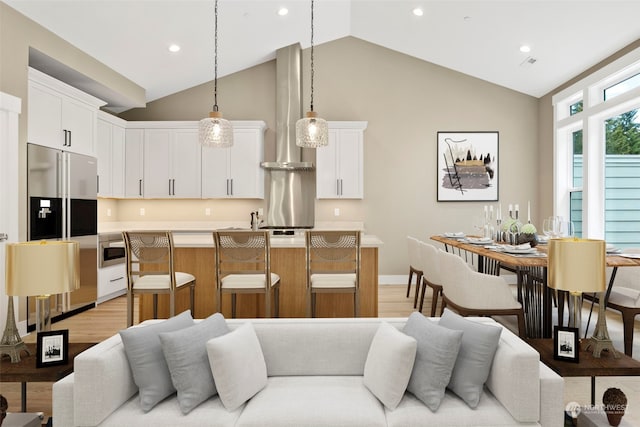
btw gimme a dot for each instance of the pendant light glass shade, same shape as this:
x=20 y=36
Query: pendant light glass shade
x=214 y=131
x=312 y=131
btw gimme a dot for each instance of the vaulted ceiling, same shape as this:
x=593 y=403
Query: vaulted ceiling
x=476 y=37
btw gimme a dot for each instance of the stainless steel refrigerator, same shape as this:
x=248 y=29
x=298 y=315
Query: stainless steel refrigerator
x=62 y=198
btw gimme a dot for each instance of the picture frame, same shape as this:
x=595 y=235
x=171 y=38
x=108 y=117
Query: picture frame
x=467 y=166
x=52 y=348
x=566 y=344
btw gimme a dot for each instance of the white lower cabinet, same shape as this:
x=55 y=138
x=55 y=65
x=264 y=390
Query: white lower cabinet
x=112 y=282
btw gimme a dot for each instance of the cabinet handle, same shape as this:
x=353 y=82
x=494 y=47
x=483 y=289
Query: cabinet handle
x=173 y=182
x=227 y=186
x=140 y=187
x=169 y=187
x=341 y=186
x=69 y=139
x=116 y=279
x=231 y=193
x=64 y=144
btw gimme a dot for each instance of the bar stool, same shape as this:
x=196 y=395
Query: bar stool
x=150 y=270
x=243 y=265
x=333 y=265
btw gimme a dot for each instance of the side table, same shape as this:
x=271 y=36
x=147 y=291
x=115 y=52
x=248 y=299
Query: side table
x=589 y=366
x=25 y=371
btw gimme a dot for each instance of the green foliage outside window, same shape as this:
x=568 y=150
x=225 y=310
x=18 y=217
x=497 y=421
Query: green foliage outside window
x=623 y=134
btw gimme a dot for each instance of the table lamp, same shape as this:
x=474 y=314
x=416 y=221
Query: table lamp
x=577 y=266
x=39 y=269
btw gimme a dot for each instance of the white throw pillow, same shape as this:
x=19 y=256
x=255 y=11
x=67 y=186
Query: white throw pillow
x=238 y=366
x=389 y=364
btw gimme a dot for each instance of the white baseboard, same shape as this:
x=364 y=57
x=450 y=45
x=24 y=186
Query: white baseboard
x=393 y=279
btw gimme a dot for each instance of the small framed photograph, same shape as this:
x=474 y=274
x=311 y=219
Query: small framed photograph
x=52 y=348
x=566 y=345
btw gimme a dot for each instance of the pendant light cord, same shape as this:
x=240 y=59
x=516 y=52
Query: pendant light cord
x=215 y=67
x=311 y=55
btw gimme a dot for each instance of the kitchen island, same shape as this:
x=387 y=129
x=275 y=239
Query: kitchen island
x=195 y=254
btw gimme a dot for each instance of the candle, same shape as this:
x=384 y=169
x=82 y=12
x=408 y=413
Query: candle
x=499 y=215
x=510 y=210
x=529 y=211
x=517 y=208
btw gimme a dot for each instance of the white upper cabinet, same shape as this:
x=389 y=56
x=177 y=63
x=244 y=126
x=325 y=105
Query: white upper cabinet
x=110 y=153
x=61 y=116
x=339 y=166
x=170 y=160
x=134 y=163
x=235 y=172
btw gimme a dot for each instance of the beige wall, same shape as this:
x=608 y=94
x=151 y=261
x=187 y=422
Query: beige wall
x=406 y=102
x=17 y=35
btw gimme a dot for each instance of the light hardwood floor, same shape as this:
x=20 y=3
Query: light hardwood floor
x=108 y=318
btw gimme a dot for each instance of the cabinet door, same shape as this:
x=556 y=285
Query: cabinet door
x=246 y=154
x=349 y=164
x=134 y=163
x=185 y=164
x=117 y=161
x=104 y=151
x=157 y=179
x=215 y=167
x=327 y=168
x=44 y=117
x=79 y=121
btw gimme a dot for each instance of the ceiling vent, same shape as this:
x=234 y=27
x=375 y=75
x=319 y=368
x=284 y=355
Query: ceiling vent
x=528 y=62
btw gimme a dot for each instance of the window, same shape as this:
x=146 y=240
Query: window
x=597 y=153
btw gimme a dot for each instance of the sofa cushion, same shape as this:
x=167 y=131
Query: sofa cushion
x=453 y=411
x=148 y=366
x=313 y=401
x=435 y=356
x=479 y=344
x=210 y=413
x=238 y=366
x=186 y=355
x=389 y=364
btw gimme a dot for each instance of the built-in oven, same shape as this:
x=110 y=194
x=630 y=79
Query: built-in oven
x=111 y=249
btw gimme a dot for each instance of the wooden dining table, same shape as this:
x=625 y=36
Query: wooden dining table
x=531 y=272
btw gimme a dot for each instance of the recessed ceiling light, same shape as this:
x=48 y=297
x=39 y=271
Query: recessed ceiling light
x=418 y=11
x=283 y=11
x=174 y=48
x=525 y=49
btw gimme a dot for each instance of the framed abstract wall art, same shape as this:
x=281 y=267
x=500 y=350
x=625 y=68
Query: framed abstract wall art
x=468 y=166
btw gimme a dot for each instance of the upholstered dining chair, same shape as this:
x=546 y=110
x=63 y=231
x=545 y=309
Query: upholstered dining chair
x=151 y=270
x=243 y=265
x=414 y=267
x=333 y=265
x=431 y=275
x=476 y=294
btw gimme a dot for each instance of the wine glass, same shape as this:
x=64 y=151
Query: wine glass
x=549 y=227
x=566 y=229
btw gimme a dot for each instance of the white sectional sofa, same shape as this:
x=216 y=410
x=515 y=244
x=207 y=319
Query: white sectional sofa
x=315 y=371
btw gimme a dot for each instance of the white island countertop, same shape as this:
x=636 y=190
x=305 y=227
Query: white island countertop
x=191 y=234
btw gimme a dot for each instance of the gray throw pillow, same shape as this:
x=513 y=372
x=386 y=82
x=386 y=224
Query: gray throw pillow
x=389 y=363
x=148 y=366
x=435 y=357
x=186 y=355
x=473 y=364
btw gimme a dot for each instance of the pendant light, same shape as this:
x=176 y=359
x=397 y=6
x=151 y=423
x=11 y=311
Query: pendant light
x=311 y=130
x=214 y=131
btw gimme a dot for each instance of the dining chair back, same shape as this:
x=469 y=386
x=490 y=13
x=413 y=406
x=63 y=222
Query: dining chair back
x=476 y=294
x=243 y=265
x=413 y=246
x=431 y=275
x=333 y=265
x=150 y=269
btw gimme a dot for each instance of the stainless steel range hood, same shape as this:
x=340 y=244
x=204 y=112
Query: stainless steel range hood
x=292 y=182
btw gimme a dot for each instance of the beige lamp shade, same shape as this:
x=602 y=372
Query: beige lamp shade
x=42 y=268
x=577 y=265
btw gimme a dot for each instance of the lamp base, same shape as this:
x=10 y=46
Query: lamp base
x=600 y=340
x=11 y=343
